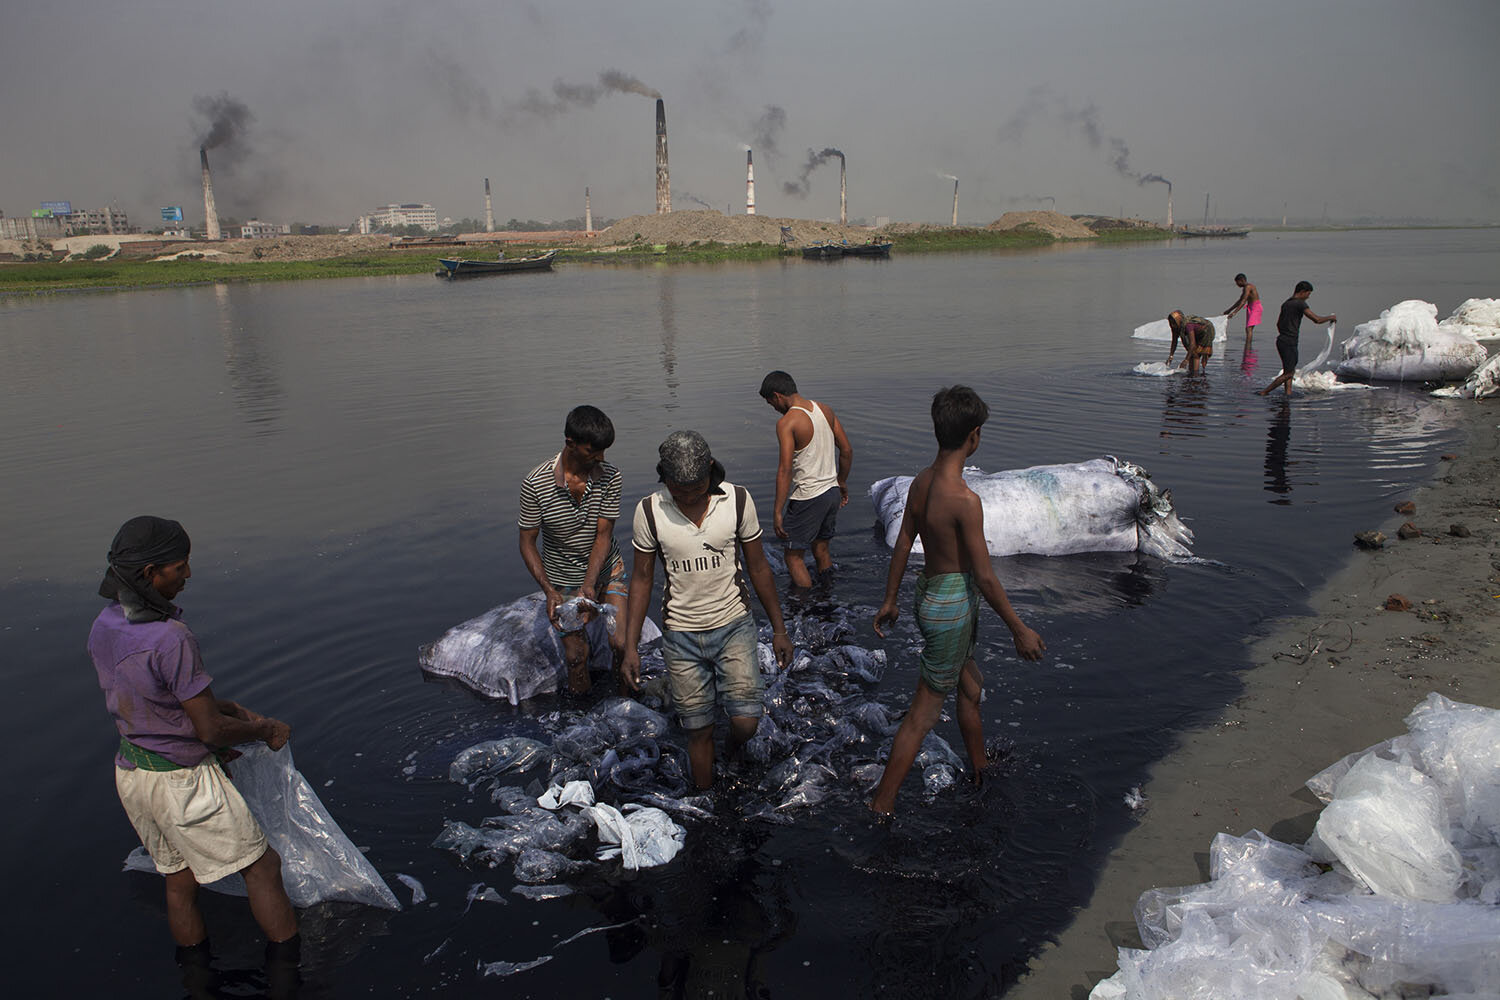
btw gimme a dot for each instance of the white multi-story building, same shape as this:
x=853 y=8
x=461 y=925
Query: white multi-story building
x=90 y=220
x=390 y=216
x=257 y=230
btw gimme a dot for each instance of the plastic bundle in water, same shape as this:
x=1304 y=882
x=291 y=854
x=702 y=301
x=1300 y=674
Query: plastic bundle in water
x=318 y=862
x=1161 y=330
x=1103 y=505
x=513 y=651
x=1406 y=344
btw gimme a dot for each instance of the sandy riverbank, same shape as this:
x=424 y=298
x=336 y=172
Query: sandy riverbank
x=1300 y=713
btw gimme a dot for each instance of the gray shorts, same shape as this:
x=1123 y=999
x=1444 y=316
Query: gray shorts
x=717 y=667
x=812 y=520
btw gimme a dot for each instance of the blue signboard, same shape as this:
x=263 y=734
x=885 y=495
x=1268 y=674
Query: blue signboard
x=58 y=207
x=171 y=213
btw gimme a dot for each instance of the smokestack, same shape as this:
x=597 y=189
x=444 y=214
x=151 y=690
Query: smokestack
x=588 y=212
x=749 y=182
x=210 y=213
x=843 y=195
x=489 y=211
x=1169 y=206
x=955 y=201
x=663 y=181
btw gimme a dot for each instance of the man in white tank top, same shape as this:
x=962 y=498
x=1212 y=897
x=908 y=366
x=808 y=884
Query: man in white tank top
x=812 y=476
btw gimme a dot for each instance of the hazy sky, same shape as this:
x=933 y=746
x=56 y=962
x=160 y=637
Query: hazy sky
x=1370 y=107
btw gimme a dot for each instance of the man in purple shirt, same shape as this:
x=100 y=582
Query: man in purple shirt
x=173 y=732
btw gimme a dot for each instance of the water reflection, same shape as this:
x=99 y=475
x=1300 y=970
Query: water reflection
x=666 y=288
x=252 y=369
x=1089 y=583
x=1278 y=438
x=1185 y=406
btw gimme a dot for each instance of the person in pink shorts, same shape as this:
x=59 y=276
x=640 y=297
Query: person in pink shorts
x=1249 y=301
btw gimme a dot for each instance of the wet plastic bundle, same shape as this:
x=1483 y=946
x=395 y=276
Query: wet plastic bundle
x=318 y=863
x=1160 y=330
x=1393 y=897
x=1482 y=383
x=1406 y=344
x=1477 y=318
x=513 y=652
x=1103 y=505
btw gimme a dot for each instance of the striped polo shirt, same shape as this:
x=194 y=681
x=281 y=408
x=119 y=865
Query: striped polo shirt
x=568 y=525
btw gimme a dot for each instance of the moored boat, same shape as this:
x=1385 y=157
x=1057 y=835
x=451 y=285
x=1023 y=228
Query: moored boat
x=824 y=251
x=461 y=268
x=867 y=250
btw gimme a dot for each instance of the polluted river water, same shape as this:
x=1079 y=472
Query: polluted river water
x=346 y=456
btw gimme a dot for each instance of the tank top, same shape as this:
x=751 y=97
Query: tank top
x=815 y=466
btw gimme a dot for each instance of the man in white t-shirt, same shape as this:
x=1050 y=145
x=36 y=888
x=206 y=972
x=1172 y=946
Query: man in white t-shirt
x=699 y=524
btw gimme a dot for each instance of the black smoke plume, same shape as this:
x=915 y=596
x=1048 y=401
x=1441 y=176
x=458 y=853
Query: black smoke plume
x=228 y=121
x=681 y=195
x=765 y=133
x=1042 y=101
x=567 y=96
x=800 y=187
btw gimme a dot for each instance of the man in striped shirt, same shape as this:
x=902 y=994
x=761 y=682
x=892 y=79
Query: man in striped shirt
x=572 y=501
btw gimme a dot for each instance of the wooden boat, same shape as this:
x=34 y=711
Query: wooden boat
x=1213 y=230
x=460 y=268
x=867 y=250
x=824 y=251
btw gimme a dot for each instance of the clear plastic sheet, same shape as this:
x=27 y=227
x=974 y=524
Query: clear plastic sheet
x=513 y=652
x=1103 y=505
x=318 y=862
x=1161 y=330
x=1276 y=922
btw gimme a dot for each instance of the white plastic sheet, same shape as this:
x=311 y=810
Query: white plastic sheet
x=1477 y=318
x=513 y=652
x=1482 y=383
x=1406 y=344
x=1103 y=505
x=318 y=862
x=1275 y=923
x=640 y=836
x=1159 y=329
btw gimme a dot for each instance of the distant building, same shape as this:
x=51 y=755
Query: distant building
x=86 y=220
x=257 y=230
x=31 y=227
x=390 y=216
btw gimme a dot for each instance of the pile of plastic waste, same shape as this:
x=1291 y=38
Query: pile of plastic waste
x=1482 y=383
x=614 y=779
x=1394 y=896
x=1477 y=318
x=513 y=652
x=1103 y=505
x=1406 y=344
x=318 y=862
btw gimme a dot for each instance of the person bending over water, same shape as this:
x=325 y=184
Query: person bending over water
x=949 y=518
x=1288 y=328
x=1197 y=336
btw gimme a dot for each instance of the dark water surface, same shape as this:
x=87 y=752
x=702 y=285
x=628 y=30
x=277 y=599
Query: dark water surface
x=346 y=456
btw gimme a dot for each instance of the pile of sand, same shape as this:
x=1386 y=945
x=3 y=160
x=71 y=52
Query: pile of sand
x=703 y=226
x=1054 y=224
x=294 y=247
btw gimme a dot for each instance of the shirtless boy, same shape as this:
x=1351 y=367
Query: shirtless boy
x=948 y=517
x=1249 y=301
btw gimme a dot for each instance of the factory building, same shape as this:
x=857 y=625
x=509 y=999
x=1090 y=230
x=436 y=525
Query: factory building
x=390 y=216
x=257 y=230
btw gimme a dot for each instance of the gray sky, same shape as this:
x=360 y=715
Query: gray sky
x=1373 y=107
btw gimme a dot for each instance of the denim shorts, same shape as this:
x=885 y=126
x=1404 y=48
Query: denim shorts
x=714 y=667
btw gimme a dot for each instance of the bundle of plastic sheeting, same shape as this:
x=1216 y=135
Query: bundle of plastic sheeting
x=1160 y=329
x=318 y=862
x=1477 y=318
x=1393 y=897
x=1406 y=344
x=513 y=651
x=1103 y=505
x=1482 y=383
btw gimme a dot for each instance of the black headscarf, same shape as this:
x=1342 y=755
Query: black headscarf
x=141 y=542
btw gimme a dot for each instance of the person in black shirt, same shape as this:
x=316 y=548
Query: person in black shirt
x=1288 y=326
